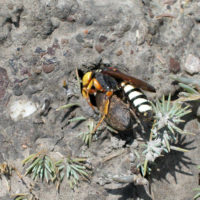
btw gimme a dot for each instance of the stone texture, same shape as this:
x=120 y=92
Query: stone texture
x=99 y=48
x=3 y=82
x=192 y=64
x=43 y=42
x=48 y=68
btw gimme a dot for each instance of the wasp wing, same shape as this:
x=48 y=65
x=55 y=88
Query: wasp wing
x=129 y=79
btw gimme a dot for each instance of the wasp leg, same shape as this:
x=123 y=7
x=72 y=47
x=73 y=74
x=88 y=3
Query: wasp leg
x=87 y=89
x=85 y=93
x=106 y=108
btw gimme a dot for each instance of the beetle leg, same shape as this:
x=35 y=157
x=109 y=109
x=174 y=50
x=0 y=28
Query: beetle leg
x=106 y=108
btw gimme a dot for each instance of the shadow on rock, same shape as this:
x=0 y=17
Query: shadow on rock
x=130 y=191
x=174 y=162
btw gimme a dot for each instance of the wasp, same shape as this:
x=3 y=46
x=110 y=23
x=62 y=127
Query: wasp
x=109 y=83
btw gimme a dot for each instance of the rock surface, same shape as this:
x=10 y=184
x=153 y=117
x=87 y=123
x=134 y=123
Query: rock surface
x=43 y=42
x=192 y=64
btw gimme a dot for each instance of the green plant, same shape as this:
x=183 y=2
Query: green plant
x=67 y=106
x=73 y=169
x=191 y=88
x=22 y=196
x=77 y=119
x=87 y=136
x=163 y=133
x=198 y=194
x=41 y=166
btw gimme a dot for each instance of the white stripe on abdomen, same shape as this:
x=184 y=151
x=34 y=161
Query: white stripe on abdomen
x=144 y=108
x=134 y=94
x=139 y=101
x=137 y=98
x=128 y=88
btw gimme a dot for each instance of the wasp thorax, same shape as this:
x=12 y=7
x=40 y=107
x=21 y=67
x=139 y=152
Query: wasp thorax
x=107 y=82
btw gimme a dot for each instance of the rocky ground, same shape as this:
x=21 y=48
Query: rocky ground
x=42 y=43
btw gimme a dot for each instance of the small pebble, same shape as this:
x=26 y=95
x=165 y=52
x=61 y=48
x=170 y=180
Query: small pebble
x=99 y=48
x=10 y=6
x=135 y=144
x=71 y=19
x=64 y=41
x=79 y=38
x=102 y=38
x=89 y=22
x=32 y=89
x=39 y=50
x=51 y=51
x=132 y=157
x=37 y=70
x=56 y=45
x=17 y=90
x=119 y=53
x=86 y=31
x=21 y=109
x=55 y=21
x=192 y=64
x=174 y=65
x=48 y=68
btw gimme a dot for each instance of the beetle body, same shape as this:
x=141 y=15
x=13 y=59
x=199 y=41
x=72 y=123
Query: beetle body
x=119 y=116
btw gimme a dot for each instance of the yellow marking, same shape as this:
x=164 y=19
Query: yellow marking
x=86 y=78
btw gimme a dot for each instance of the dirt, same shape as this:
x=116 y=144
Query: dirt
x=42 y=43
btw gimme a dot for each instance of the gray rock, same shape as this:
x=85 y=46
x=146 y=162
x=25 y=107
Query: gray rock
x=30 y=90
x=3 y=82
x=17 y=90
x=89 y=22
x=102 y=38
x=79 y=38
x=5 y=32
x=192 y=64
x=64 y=9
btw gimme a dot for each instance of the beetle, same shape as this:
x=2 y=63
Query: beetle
x=119 y=116
x=110 y=81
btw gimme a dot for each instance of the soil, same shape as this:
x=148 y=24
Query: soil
x=44 y=43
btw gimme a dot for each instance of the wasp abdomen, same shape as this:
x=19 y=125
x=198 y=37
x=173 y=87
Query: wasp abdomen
x=137 y=98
